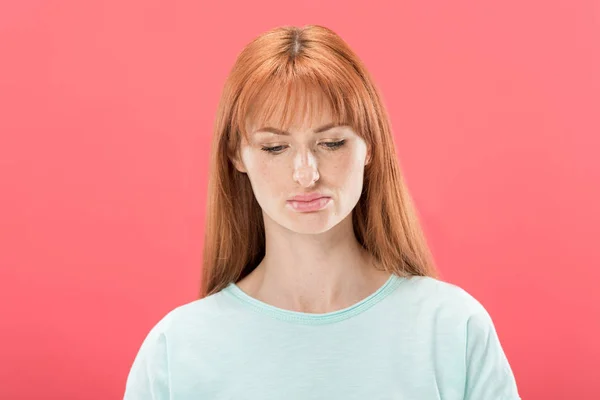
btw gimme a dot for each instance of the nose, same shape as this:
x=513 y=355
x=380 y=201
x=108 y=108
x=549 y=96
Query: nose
x=306 y=172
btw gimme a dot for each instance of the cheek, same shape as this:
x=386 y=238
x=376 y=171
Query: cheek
x=347 y=176
x=346 y=168
x=255 y=165
x=265 y=177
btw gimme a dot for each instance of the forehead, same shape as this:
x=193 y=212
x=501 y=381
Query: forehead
x=290 y=111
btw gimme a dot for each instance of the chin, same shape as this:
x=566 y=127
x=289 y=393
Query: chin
x=308 y=230
x=312 y=223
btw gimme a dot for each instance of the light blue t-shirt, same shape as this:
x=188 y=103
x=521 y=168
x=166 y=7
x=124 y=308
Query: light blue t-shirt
x=415 y=338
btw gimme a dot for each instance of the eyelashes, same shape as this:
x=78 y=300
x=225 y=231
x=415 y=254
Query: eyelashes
x=328 y=145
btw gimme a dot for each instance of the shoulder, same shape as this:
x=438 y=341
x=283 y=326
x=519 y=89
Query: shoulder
x=184 y=330
x=449 y=311
x=438 y=291
x=194 y=316
x=441 y=299
x=465 y=329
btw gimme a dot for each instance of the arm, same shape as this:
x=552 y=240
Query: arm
x=489 y=376
x=148 y=378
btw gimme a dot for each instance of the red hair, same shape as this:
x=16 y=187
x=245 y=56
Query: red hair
x=281 y=67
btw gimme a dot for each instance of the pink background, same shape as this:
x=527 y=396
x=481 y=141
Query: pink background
x=106 y=112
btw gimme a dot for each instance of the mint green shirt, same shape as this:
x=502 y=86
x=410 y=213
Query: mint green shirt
x=414 y=338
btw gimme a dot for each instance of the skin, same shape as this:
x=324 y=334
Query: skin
x=313 y=261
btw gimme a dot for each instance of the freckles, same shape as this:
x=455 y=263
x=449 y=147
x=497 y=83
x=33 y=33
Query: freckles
x=265 y=169
x=345 y=162
x=270 y=172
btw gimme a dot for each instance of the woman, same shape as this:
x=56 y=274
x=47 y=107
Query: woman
x=317 y=281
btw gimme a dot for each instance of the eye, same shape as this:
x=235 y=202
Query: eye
x=328 y=146
x=275 y=149
x=334 y=145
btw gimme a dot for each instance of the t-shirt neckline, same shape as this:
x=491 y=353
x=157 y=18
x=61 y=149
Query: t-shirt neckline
x=311 y=318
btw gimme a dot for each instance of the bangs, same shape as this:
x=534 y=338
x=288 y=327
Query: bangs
x=298 y=95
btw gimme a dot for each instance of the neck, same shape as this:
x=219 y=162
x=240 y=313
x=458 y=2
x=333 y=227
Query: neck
x=313 y=273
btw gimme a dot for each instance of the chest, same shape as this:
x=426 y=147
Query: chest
x=378 y=365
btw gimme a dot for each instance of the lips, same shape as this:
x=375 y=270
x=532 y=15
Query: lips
x=308 y=197
x=306 y=206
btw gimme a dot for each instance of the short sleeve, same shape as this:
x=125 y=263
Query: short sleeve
x=489 y=375
x=148 y=377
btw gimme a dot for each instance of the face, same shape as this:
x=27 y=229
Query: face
x=313 y=157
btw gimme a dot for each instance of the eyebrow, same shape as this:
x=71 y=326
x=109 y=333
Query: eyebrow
x=281 y=132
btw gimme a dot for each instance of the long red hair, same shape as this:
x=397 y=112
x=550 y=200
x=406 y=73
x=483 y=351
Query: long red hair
x=278 y=68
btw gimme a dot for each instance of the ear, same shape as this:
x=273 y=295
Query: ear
x=238 y=164
x=368 y=158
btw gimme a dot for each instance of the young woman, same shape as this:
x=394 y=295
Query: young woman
x=317 y=281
